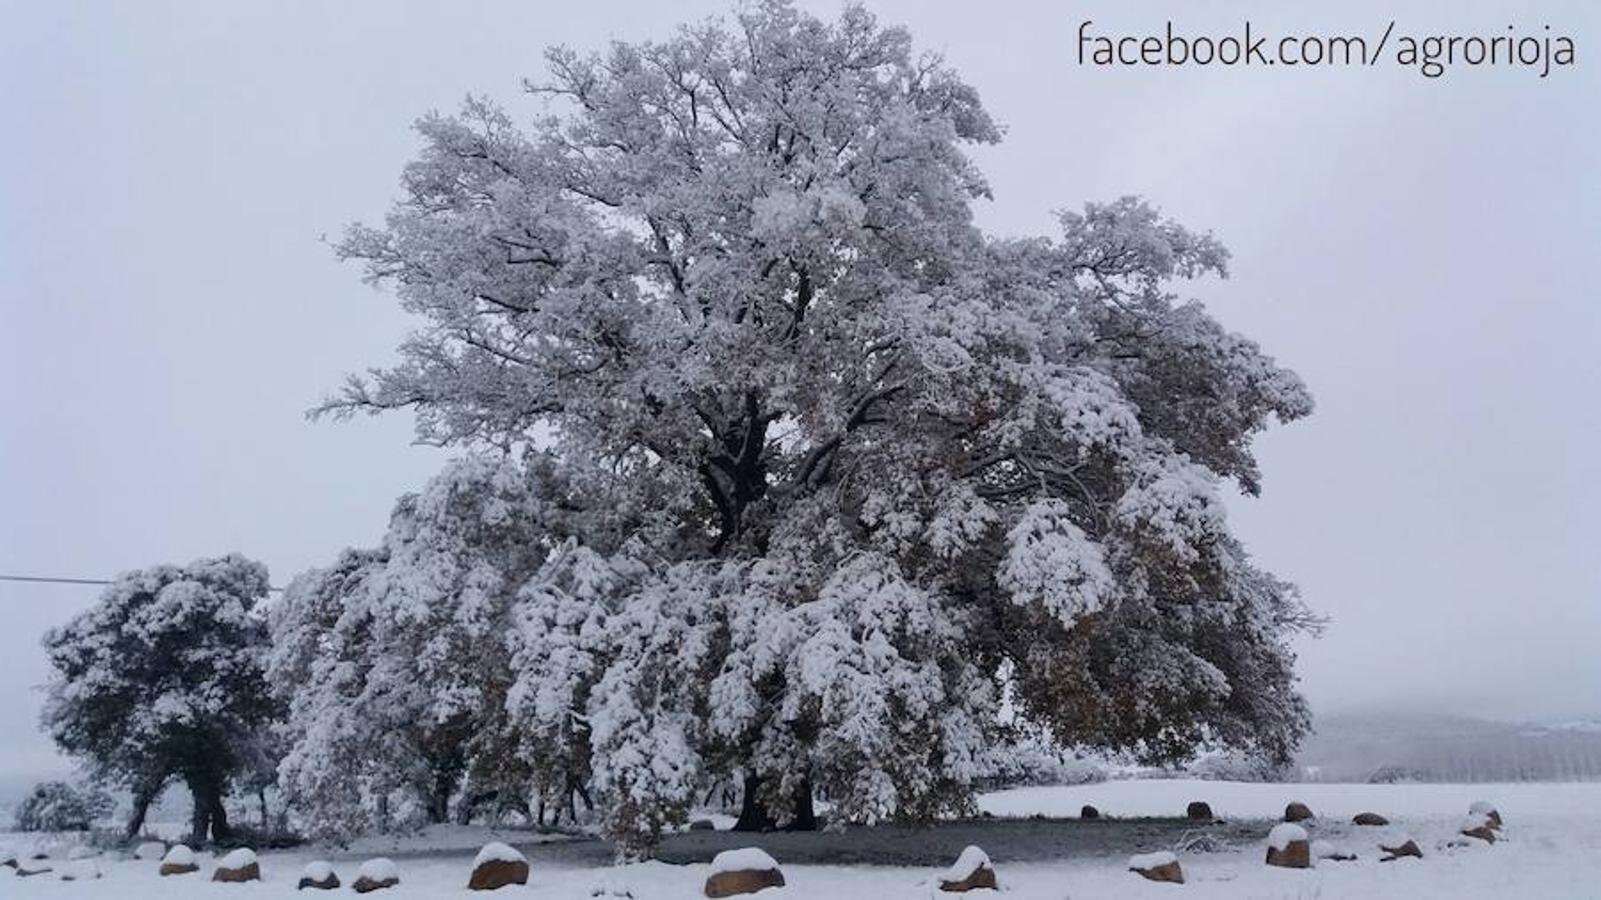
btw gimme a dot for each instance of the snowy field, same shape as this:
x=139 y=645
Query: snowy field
x=1552 y=850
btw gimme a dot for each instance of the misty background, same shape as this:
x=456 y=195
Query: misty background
x=1420 y=250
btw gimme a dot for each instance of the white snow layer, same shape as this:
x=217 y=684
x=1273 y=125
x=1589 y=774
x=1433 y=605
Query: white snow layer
x=317 y=870
x=1151 y=860
x=84 y=869
x=150 y=850
x=381 y=869
x=1481 y=808
x=179 y=855
x=745 y=858
x=969 y=862
x=1322 y=849
x=1555 y=856
x=238 y=859
x=497 y=852
x=1284 y=834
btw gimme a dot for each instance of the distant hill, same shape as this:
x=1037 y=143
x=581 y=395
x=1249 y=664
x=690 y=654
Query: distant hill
x=1449 y=749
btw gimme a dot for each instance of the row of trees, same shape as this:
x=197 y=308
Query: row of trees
x=782 y=478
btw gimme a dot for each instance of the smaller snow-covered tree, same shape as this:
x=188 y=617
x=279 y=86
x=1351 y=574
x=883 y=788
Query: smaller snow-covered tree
x=395 y=663
x=162 y=679
x=58 y=806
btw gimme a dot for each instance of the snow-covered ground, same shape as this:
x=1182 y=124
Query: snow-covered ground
x=1552 y=850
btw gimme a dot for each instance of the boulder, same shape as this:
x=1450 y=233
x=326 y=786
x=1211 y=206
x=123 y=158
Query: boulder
x=1486 y=810
x=1288 y=847
x=1163 y=866
x=237 y=867
x=1089 y=812
x=1410 y=848
x=318 y=875
x=1478 y=827
x=1326 y=850
x=1297 y=812
x=179 y=860
x=8 y=858
x=375 y=875
x=32 y=867
x=1198 y=810
x=150 y=850
x=743 y=871
x=84 y=869
x=702 y=825
x=971 y=871
x=1369 y=818
x=496 y=866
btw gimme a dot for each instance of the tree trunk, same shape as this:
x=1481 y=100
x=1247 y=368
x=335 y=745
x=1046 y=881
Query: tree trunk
x=439 y=803
x=209 y=816
x=753 y=814
x=199 y=822
x=143 y=796
x=805 y=817
x=220 y=829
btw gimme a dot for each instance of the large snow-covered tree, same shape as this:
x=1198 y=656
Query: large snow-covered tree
x=828 y=471
x=162 y=679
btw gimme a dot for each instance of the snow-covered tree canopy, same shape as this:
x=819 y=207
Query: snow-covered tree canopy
x=58 y=806
x=163 y=679
x=826 y=467
x=394 y=662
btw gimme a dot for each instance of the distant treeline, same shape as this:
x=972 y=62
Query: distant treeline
x=1450 y=750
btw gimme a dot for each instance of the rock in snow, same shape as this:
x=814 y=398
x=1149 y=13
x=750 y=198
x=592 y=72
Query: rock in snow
x=150 y=850
x=1487 y=810
x=1410 y=848
x=1327 y=850
x=376 y=874
x=1478 y=826
x=1198 y=809
x=1297 y=812
x=318 y=875
x=238 y=866
x=743 y=871
x=179 y=860
x=1369 y=818
x=496 y=866
x=81 y=869
x=972 y=870
x=1159 y=866
x=1287 y=847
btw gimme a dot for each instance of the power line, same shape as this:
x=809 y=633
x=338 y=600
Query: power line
x=48 y=579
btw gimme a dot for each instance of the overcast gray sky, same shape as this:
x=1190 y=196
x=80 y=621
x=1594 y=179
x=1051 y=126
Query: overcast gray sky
x=1421 y=251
